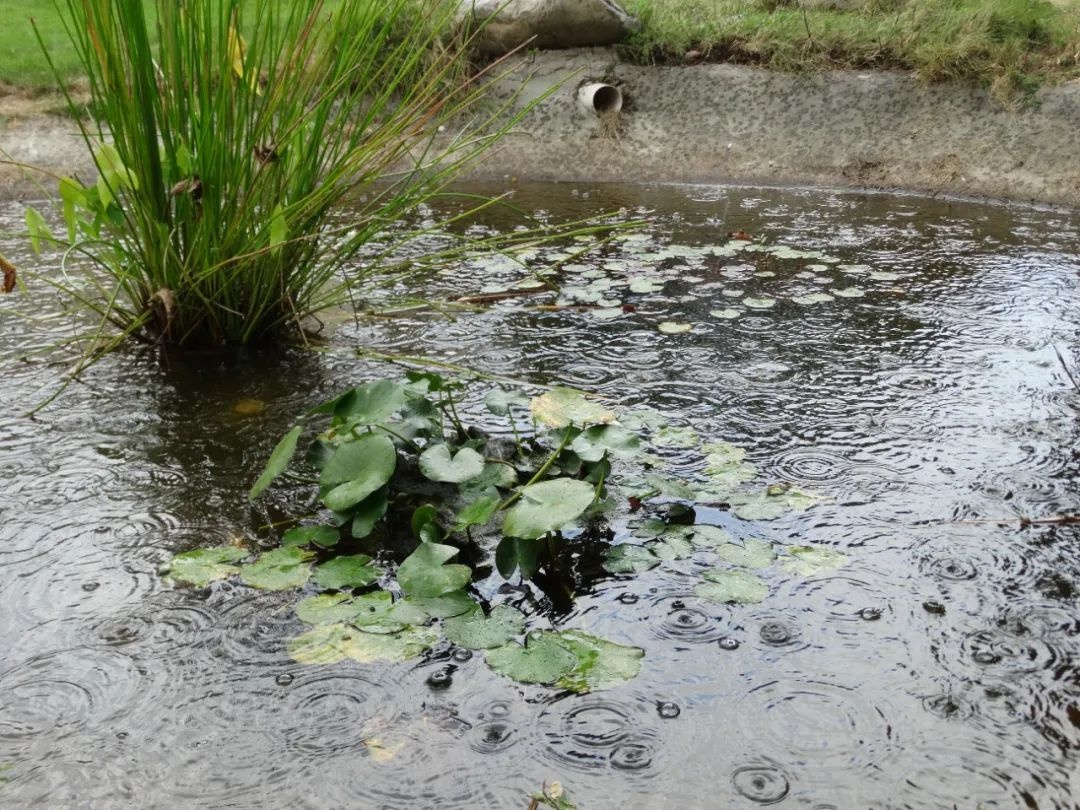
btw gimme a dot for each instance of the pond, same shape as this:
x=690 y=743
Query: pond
x=896 y=356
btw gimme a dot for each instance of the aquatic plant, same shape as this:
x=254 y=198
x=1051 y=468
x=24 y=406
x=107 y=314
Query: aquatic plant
x=248 y=152
x=417 y=506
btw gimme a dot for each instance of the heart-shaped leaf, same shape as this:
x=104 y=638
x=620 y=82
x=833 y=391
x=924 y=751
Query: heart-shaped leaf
x=809 y=560
x=371 y=403
x=593 y=443
x=476 y=631
x=357 y=469
x=437 y=464
x=561 y=407
x=751 y=554
x=424 y=574
x=369 y=512
x=328 y=644
x=204 y=565
x=547 y=506
x=732 y=586
x=599 y=664
x=542 y=660
x=629 y=559
x=278 y=570
x=321 y=536
x=706 y=536
x=342 y=573
x=328 y=608
x=499 y=401
x=446 y=606
x=479 y=512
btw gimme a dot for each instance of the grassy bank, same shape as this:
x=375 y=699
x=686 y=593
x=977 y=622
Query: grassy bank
x=1013 y=44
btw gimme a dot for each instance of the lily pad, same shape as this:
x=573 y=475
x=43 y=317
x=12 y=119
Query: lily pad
x=328 y=644
x=479 y=632
x=759 y=303
x=321 y=536
x=673 y=544
x=278 y=570
x=205 y=565
x=424 y=573
x=707 y=536
x=809 y=560
x=371 y=403
x=591 y=444
x=849 y=292
x=813 y=298
x=446 y=606
x=725 y=314
x=884 y=275
x=479 y=511
x=437 y=464
x=560 y=407
x=675 y=436
x=673 y=328
x=499 y=401
x=751 y=554
x=629 y=559
x=357 y=469
x=369 y=512
x=772 y=502
x=515 y=554
x=328 y=608
x=646 y=285
x=732 y=586
x=547 y=506
x=600 y=664
x=377 y=612
x=340 y=573
x=541 y=660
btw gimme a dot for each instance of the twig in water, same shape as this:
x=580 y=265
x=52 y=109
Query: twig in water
x=1065 y=366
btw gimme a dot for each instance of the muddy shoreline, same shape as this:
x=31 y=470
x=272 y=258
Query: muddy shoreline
x=728 y=124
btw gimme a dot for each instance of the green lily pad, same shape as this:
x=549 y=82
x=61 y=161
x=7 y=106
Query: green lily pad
x=673 y=328
x=591 y=444
x=340 y=573
x=371 y=403
x=732 y=586
x=707 y=536
x=328 y=644
x=328 y=608
x=671 y=487
x=424 y=574
x=437 y=464
x=455 y=603
x=629 y=559
x=759 y=303
x=885 y=275
x=278 y=570
x=809 y=560
x=650 y=528
x=643 y=286
x=813 y=298
x=673 y=544
x=600 y=664
x=377 y=612
x=751 y=554
x=772 y=502
x=476 y=631
x=321 y=536
x=849 y=292
x=517 y=554
x=357 y=469
x=547 y=506
x=369 y=512
x=560 y=407
x=542 y=660
x=495 y=474
x=725 y=314
x=205 y=565
x=499 y=400
x=675 y=436
x=479 y=511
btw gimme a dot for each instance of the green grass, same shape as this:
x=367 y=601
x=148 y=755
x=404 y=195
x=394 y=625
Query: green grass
x=1012 y=43
x=1016 y=44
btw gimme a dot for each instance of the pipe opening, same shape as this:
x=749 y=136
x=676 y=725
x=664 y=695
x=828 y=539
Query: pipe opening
x=607 y=99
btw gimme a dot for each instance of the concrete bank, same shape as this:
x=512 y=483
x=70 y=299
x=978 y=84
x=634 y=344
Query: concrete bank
x=726 y=123
x=717 y=123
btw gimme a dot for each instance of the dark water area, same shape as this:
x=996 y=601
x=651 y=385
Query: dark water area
x=925 y=401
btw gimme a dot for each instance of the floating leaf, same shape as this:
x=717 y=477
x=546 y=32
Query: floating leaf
x=751 y=554
x=561 y=407
x=279 y=460
x=884 y=275
x=709 y=536
x=321 y=536
x=340 y=573
x=809 y=560
x=495 y=474
x=437 y=464
x=759 y=303
x=591 y=444
x=813 y=298
x=732 y=586
x=650 y=528
x=671 y=487
x=725 y=314
x=369 y=512
x=357 y=469
x=479 y=632
x=542 y=660
x=278 y=570
x=772 y=502
x=629 y=559
x=849 y=292
x=675 y=436
x=248 y=407
x=370 y=403
x=377 y=612
x=424 y=574
x=446 y=606
x=479 y=512
x=205 y=565
x=331 y=643
x=673 y=328
x=547 y=506
x=600 y=664
x=499 y=400
x=328 y=608
x=672 y=545
x=646 y=285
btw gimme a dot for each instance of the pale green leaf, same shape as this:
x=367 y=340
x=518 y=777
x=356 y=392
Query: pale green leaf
x=543 y=660
x=424 y=573
x=561 y=407
x=732 y=586
x=547 y=506
x=809 y=560
x=599 y=664
x=341 y=573
x=279 y=460
x=278 y=570
x=479 y=632
x=437 y=464
x=204 y=565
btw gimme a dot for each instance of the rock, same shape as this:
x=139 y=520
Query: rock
x=548 y=23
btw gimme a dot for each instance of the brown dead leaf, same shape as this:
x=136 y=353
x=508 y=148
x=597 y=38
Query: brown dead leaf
x=10 y=276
